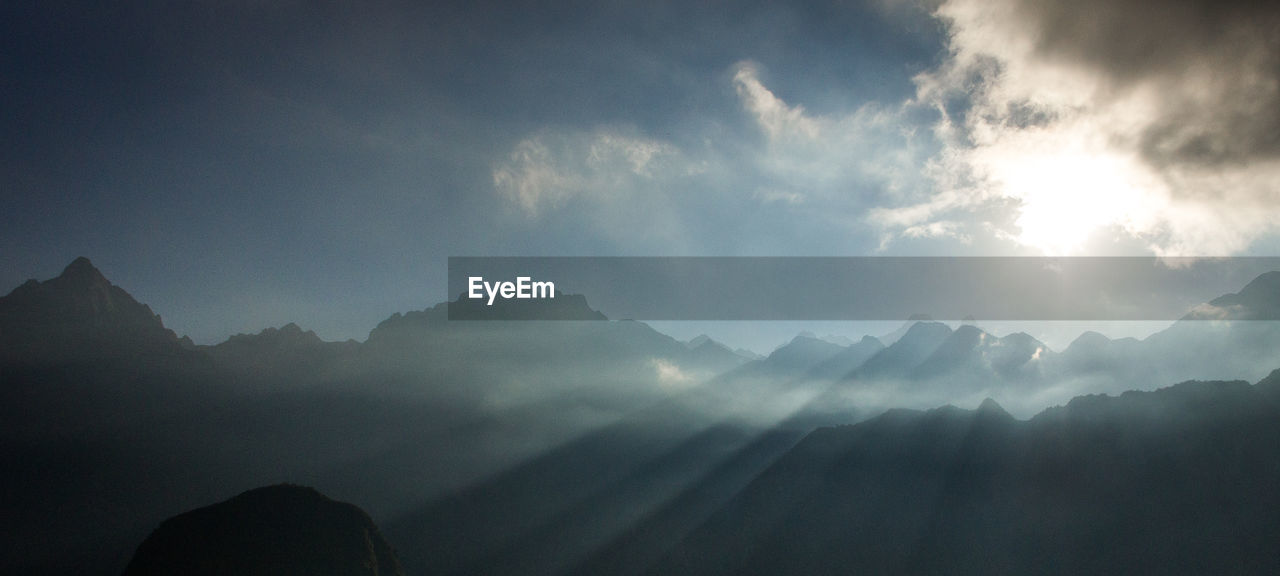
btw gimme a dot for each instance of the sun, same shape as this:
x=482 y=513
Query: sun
x=1067 y=192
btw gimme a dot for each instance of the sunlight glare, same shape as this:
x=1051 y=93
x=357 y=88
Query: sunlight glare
x=1067 y=195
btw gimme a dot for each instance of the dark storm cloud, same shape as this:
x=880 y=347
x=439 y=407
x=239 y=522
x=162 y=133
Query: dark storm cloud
x=1148 y=121
x=1216 y=64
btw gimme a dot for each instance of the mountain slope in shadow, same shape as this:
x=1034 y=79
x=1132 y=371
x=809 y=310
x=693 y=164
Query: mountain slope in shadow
x=1181 y=480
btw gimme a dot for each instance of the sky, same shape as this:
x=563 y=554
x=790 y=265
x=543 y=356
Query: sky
x=242 y=164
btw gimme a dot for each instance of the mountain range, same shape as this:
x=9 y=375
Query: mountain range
x=590 y=446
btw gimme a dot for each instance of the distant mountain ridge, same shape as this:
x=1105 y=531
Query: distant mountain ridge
x=281 y=350
x=80 y=314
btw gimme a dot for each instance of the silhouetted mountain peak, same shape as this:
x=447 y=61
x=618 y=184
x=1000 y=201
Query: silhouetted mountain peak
x=1020 y=339
x=1264 y=286
x=890 y=338
x=839 y=339
x=285 y=352
x=1089 y=340
x=82 y=271
x=926 y=329
x=805 y=338
x=989 y=407
x=1094 y=351
x=287 y=337
x=870 y=341
x=76 y=314
x=290 y=330
x=80 y=290
x=561 y=307
x=968 y=331
x=748 y=354
x=919 y=342
x=801 y=354
x=953 y=349
x=804 y=350
x=697 y=341
x=703 y=344
x=282 y=529
x=1258 y=300
x=922 y=338
x=847 y=359
x=475 y=314
x=710 y=345
x=1270 y=385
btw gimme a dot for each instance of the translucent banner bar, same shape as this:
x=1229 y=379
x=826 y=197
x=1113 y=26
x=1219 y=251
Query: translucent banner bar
x=859 y=288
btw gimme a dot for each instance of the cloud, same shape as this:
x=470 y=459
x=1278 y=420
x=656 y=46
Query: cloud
x=1160 y=119
x=779 y=121
x=838 y=164
x=805 y=176
x=533 y=177
x=774 y=195
x=669 y=374
x=545 y=171
x=938 y=229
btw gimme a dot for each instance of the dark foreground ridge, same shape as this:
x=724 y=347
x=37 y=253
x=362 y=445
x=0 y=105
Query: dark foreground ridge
x=1182 y=480
x=278 y=530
